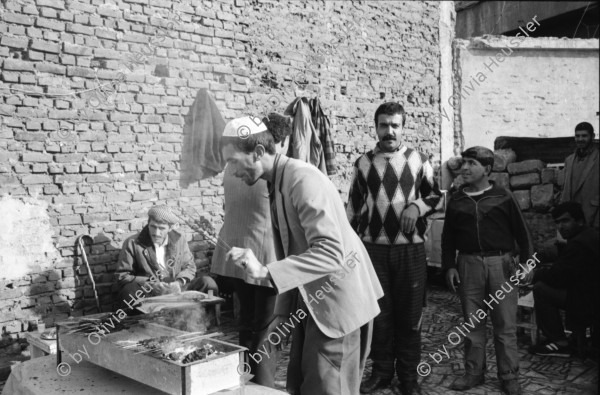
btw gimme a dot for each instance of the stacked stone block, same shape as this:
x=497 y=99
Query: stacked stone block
x=536 y=189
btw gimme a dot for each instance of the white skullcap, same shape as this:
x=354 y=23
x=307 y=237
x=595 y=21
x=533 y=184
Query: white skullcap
x=243 y=127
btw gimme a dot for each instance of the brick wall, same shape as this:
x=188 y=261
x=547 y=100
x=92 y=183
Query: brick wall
x=93 y=95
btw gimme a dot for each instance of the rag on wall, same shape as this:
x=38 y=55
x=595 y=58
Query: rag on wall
x=200 y=155
x=323 y=127
x=305 y=144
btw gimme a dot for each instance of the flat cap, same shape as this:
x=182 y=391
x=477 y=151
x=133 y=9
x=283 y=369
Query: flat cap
x=483 y=155
x=163 y=213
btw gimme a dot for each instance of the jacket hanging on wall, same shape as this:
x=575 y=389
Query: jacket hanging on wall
x=200 y=155
x=323 y=127
x=305 y=144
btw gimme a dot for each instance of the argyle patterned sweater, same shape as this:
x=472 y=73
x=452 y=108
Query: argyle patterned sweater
x=383 y=185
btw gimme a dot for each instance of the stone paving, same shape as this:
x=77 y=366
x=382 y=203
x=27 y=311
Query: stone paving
x=539 y=375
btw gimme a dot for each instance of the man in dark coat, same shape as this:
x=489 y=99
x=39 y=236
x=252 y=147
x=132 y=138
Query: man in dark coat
x=582 y=175
x=157 y=261
x=570 y=284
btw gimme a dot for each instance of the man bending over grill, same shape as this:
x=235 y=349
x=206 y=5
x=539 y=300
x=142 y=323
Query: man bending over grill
x=158 y=261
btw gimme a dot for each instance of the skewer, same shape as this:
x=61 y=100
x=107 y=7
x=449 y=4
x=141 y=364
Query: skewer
x=225 y=244
x=212 y=239
x=189 y=334
x=155 y=349
x=214 y=334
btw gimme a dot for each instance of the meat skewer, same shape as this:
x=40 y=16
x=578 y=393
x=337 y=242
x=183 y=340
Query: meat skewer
x=186 y=340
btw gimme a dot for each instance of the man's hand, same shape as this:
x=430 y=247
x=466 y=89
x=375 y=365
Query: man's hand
x=175 y=287
x=452 y=275
x=244 y=258
x=408 y=219
x=526 y=277
x=160 y=288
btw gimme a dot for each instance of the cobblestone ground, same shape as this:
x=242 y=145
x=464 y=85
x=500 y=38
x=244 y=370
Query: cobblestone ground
x=539 y=375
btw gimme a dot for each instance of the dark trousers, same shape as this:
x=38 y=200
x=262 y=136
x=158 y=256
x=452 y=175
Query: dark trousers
x=204 y=283
x=402 y=272
x=256 y=313
x=321 y=365
x=548 y=302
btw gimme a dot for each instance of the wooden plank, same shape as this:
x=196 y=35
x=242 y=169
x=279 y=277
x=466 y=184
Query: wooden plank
x=47 y=346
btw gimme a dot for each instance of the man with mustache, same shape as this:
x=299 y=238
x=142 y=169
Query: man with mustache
x=582 y=174
x=392 y=191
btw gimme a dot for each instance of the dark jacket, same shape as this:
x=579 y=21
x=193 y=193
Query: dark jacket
x=492 y=223
x=577 y=271
x=586 y=191
x=137 y=261
x=201 y=154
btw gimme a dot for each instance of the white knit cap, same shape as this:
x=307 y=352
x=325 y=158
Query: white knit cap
x=243 y=127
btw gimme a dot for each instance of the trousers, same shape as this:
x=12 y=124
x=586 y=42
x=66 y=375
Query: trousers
x=402 y=272
x=548 y=303
x=321 y=365
x=256 y=313
x=485 y=290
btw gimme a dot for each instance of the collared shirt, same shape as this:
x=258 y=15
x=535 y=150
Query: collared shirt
x=274 y=219
x=161 y=253
x=271 y=186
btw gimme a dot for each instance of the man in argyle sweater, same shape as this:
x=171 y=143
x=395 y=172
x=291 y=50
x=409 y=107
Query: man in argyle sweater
x=392 y=191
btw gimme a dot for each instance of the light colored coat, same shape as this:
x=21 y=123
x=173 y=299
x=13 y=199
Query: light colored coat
x=586 y=192
x=319 y=250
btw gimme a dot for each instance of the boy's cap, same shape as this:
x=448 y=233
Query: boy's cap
x=243 y=127
x=163 y=213
x=483 y=155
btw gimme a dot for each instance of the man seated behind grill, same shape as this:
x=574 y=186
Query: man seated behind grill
x=158 y=261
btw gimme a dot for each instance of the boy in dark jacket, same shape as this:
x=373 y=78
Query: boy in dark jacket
x=570 y=284
x=482 y=222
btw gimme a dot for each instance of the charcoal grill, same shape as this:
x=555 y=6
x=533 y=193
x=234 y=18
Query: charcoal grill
x=120 y=351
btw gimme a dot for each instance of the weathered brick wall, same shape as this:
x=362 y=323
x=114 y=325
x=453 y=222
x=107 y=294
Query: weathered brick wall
x=93 y=95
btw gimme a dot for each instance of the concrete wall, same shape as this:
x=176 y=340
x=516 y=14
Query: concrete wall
x=524 y=87
x=64 y=175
